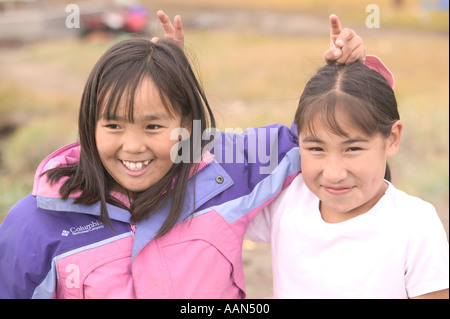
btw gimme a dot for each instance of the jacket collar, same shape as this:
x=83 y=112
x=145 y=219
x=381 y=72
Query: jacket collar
x=68 y=154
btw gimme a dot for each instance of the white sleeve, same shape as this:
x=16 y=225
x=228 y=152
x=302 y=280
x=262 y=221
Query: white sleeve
x=260 y=227
x=266 y=223
x=427 y=259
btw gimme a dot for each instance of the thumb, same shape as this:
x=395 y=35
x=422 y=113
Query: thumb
x=332 y=55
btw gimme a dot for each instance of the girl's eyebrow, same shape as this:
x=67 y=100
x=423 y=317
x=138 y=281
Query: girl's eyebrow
x=145 y=118
x=156 y=116
x=355 y=140
x=312 y=139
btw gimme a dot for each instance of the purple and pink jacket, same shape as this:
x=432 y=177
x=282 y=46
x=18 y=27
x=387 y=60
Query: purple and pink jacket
x=52 y=248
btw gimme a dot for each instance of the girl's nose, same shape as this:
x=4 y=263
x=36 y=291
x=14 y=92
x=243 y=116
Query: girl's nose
x=335 y=171
x=133 y=144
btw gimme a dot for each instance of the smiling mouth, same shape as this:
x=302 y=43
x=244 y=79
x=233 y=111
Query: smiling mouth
x=136 y=166
x=338 y=190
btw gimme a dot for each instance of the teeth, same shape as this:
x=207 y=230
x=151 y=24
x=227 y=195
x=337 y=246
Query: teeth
x=135 y=166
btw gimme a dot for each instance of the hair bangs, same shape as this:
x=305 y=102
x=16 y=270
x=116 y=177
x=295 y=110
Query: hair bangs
x=336 y=111
x=117 y=90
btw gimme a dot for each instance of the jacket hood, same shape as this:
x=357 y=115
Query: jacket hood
x=66 y=155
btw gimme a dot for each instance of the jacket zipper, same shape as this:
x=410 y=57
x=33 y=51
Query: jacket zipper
x=133 y=229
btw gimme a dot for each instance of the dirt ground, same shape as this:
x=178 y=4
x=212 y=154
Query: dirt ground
x=258 y=270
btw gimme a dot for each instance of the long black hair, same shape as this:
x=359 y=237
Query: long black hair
x=117 y=75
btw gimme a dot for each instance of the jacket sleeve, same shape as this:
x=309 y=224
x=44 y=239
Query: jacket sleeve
x=259 y=163
x=25 y=254
x=259 y=149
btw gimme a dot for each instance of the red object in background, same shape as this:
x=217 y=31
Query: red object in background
x=136 y=18
x=132 y=19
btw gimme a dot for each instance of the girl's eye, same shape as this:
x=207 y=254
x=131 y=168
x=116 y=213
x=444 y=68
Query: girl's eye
x=153 y=127
x=315 y=149
x=353 y=149
x=113 y=126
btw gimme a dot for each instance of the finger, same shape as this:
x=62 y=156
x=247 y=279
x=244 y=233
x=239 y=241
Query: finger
x=332 y=55
x=349 y=46
x=358 y=54
x=335 y=27
x=353 y=50
x=329 y=56
x=154 y=39
x=179 y=33
x=343 y=59
x=178 y=23
x=167 y=25
x=346 y=36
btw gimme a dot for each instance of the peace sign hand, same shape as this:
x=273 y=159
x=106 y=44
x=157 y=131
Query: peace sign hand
x=172 y=31
x=345 y=45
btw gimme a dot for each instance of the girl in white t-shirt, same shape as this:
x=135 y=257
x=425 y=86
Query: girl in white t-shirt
x=341 y=229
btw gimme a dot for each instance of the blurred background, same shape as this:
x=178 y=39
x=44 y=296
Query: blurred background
x=253 y=58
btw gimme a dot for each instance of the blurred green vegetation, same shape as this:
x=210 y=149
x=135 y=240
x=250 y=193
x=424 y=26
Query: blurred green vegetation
x=44 y=123
x=251 y=79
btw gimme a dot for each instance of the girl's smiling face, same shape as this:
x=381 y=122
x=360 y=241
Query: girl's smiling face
x=345 y=172
x=137 y=154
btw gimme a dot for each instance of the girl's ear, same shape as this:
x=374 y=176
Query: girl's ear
x=393 y=141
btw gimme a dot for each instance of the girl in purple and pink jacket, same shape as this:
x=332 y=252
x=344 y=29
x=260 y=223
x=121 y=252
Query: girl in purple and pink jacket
x=151 y=202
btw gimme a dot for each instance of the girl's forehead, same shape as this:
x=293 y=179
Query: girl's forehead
x=323 y=121
x=144 y=101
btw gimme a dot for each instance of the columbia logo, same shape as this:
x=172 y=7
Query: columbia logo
x=77 y=230
x=65 y=233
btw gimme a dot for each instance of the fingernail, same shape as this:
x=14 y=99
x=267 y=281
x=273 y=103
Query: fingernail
x=337 y=53
x=339 y=42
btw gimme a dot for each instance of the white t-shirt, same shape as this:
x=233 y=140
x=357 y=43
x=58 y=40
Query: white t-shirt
x=398 y=249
